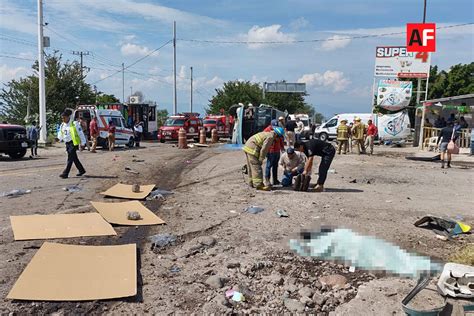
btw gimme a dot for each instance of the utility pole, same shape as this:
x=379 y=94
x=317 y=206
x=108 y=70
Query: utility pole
x=131 y=93
x=175 y=98
x=123 y=83
x=418 y=92
x=82 y=65
x=191 y=100
x=42 y=93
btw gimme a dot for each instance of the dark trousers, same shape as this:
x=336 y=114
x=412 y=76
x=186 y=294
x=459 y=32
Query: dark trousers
x=138 y=137
x=326 y=159
x=34 y=148
x=72 y=158
x=272 y=166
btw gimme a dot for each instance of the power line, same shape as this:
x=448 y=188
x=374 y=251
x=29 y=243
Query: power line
x=15 y=57
x=312 y=40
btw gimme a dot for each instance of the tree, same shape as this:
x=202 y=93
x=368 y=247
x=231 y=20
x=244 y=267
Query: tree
x=65 y=87
x=318 y=118
x=106 y=98
x=234 y=92
x=161 y=116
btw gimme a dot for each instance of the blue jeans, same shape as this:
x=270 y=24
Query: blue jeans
x=288 y=177
x=272 y=166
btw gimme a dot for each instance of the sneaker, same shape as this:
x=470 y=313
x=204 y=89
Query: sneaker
x=276 y=182
x=64 y=176
x=264 y=188
x=81 y=173
x=319 y=188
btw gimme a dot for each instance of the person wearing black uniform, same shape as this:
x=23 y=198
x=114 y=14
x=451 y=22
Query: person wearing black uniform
x=290 y=132
x=316 y=147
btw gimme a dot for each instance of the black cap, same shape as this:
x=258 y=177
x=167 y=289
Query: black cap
x=66 y=112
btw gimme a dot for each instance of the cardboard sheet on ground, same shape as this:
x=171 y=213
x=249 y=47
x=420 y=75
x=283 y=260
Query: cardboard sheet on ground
x=121 y=190
x=60 y=272
x=116 y=213
x=60 y=226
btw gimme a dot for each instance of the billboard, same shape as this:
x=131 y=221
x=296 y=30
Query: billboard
x=394 y=126
x=393 y=94
x=398 y=62
x=285 y=87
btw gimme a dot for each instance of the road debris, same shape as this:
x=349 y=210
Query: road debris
x=456 y=280
x=175 y=269
x=353 y=181
x=14 y=193
x=254 y=209
x=161 y=241
x=133 y=215
x=282 y=213
x=130 y=170
x=72 y=188
x=443 y=226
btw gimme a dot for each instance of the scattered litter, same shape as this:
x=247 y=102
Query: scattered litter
x=456 y=280
x=443 y=226
x=162 y=192
x=201 y=145
x=233 y=212
x=238 y=297
x=281 y=213
x=388 y=201
x=353 y=181
x=161 y=240
x=254 y=209
x=191 y=145
x=352 y=269
x=72 y=188
x=128 y=169
x=327 y=206
x=444 y=238
x=138 y=160
x=332 y=171
x=31 y=247
x=17 y=192
x=175 y=269
x=364 y=252
x=229 y=293
x=188 y=162
x=156 y=197
x=135 y=188
x=117 y=213
x=133 y=215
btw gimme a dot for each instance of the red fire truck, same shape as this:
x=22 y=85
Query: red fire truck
x=189 y=121
x=222 y=123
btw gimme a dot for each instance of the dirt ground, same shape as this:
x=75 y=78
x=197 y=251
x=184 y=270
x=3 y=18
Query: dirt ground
x=220 y=247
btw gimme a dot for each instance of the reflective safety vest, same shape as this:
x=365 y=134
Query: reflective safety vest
x=342 y=132
x=76 y=139
x=259 y=144
x=358 y=131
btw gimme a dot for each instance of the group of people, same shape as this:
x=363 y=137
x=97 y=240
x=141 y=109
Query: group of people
x=296 y=160
x=358 y=134
x=440 y=122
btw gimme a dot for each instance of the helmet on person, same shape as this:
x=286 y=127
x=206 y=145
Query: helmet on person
x=281 y=118
x=357 y=119
x=279 y=131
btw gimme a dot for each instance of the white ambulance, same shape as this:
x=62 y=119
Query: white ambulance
x=123 y=134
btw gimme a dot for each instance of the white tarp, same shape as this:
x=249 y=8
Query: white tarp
x=397 y=62
x=394 y=94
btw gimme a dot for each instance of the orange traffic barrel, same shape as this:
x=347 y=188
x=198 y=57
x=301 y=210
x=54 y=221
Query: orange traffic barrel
x=214 y=137
x=182 y=141
x=202 y=136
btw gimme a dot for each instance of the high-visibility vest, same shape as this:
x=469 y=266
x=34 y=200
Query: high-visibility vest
x=254 y=144
x=342 y=132
x=76 y=139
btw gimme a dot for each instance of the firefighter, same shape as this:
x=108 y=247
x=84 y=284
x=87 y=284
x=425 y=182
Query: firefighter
x=358 y=133
x=343 y=132
x=256 y=149
x=71 y=133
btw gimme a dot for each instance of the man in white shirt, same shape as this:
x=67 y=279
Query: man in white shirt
x=299 y=129
x=293 y=164
x=138 y=129
x=71 y=133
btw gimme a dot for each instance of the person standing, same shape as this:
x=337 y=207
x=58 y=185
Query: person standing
x=372 y=132
x=111 y=130
x=428 y=123
x=94 y=131
x=71 y=133
x=351 y=125
x=256 y=149
x=273 y=155
x=138 y=129
x=290 y=132
x=33 y=135
x=299 y=129
x=358 y=133
x=472 y=141
x=85 y=130
x=293 y=164
x=281 y=122
x=446 y=135
x=343 y=132
x=317 y=147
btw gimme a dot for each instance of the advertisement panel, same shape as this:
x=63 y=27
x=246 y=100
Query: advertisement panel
x=397 y=62
x=393 y=94
x=393 y=126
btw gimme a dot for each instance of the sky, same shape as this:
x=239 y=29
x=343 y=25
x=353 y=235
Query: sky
x=338 y=73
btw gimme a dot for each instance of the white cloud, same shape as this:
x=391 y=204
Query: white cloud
x=335 y=42
x=9 y=73
x=299 y=23
x=266 y=34
x=17 y=19
x=330 y=79
x=130 y=49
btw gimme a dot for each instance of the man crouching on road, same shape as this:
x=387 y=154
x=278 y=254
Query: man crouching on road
x=293 y=165
x=256 y=149
x=316 y=147
x=71 y=133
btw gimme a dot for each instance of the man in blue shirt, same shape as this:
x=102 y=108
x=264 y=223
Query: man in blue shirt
x=33 y=135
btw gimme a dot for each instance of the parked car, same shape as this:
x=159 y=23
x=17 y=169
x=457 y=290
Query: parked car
x=13 y=140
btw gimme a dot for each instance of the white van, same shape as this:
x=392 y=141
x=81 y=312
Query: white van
x=123 y=134
x=306 y=121
x=390 y=126
x=327 y=130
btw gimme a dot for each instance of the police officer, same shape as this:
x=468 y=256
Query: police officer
x=316 y=147
x=343 y=132
x=71 y=133
x=256 y=149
